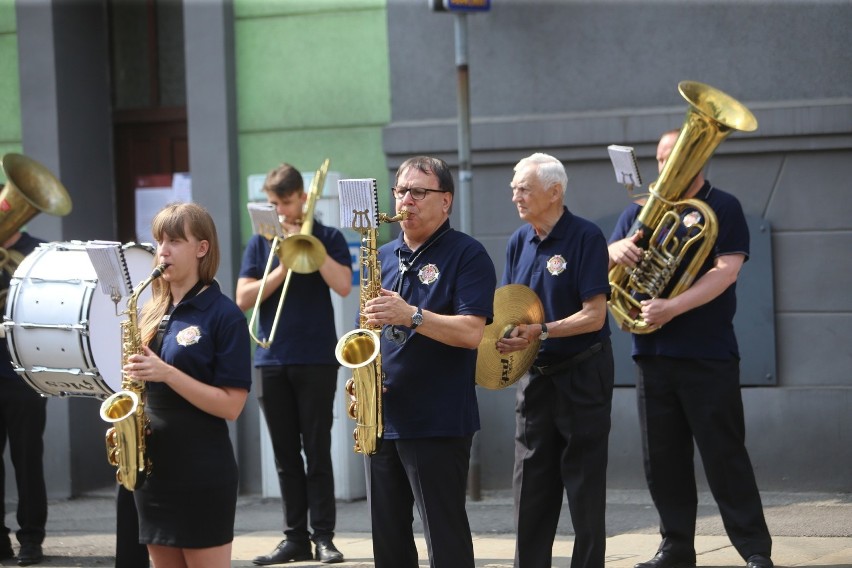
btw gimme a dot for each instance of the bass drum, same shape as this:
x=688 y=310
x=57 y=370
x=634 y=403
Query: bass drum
x=63 y=331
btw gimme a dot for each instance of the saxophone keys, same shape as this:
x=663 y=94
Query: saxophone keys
x=112 y=446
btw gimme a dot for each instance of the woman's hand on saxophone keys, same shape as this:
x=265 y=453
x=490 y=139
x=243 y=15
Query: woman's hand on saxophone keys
x=146 y=366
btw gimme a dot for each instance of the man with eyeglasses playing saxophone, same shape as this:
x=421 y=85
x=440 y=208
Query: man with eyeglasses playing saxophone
x=437 y=297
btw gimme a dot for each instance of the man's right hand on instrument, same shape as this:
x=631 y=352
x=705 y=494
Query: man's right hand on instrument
x=626 y=252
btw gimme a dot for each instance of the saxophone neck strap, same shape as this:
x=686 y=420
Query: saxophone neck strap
x=157 y=344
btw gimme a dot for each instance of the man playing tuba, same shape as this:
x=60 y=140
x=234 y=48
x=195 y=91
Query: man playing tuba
x=30 y=188
x=689 y=388
x=23 y=417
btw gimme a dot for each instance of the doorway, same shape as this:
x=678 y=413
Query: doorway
x=148 y=82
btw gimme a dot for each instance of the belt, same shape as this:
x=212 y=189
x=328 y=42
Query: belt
x=567 y=363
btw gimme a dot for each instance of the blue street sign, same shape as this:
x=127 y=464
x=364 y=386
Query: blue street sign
x=467 y=5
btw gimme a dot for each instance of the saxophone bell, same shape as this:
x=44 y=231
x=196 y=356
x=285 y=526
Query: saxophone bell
x=357 y=348
x=120 y=410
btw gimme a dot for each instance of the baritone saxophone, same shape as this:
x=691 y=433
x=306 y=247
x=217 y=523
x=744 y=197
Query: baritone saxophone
x=359 y=349
x=125 y=410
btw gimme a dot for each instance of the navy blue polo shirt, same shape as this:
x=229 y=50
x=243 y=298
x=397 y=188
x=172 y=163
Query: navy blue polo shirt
x=431 y=385
x=207 y=338
x=306 y=334
x=706 y=332
x=568 y=267
x=25 y=245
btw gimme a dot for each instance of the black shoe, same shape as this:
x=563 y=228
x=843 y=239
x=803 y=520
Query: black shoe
x=759 y=561
x=30 y=554
x=286 y=551
x=327 y=553
x=6 y=551
x=666 y=560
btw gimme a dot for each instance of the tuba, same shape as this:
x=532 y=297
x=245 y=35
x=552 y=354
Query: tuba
x=359 y=349
x=301 y=253
x=125 y=410
x=30 y=189
x=712 y=115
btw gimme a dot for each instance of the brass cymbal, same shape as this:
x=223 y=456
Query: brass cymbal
x=513 y=304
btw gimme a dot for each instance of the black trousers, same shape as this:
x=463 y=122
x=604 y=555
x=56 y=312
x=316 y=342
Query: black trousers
x=23 y=415
x=297 y=403
x=428 y=472
x=129 y=553
x=561 y=444
x=681 y=400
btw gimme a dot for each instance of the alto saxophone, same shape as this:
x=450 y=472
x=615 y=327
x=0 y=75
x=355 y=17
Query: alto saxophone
x=125 y=410
x=359 y=349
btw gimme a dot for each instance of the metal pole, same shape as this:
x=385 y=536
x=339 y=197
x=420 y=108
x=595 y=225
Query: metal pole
x=464 y=199
x=465 y=174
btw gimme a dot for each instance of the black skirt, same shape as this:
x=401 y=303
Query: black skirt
x=189 y=500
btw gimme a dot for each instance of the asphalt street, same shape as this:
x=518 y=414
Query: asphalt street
x=809 y=529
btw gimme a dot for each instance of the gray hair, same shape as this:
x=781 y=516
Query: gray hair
x=549 y=170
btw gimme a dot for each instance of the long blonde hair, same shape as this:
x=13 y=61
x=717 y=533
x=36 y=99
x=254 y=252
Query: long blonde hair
x=174 y=221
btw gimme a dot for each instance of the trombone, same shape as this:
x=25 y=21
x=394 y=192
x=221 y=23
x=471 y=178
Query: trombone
x=301 y=253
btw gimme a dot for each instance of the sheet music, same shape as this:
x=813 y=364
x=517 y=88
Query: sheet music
x=264 y=220
x=111 y=267
x=626 y=168
x=359 y=204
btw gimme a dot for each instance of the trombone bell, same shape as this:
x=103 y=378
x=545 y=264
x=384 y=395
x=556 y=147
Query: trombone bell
x=302 y=253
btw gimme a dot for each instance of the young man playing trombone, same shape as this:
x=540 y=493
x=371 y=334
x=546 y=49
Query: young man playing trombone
x=298 y=369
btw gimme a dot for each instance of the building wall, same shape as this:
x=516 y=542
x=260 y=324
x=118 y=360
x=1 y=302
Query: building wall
x=10 y=102
x=311 y=83
x=571 y=77
x=54 y=99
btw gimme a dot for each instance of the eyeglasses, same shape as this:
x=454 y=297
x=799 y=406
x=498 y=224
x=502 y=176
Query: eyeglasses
x=417 y=193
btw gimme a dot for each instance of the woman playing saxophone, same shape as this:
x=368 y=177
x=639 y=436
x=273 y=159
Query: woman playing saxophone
x=197 y=367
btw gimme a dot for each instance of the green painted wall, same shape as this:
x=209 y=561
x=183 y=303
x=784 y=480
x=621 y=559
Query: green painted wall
x=312 y=83
x=10 y=101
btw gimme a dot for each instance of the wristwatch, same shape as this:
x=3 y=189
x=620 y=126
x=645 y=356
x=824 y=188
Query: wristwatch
x=544 y=333
x=417 y=318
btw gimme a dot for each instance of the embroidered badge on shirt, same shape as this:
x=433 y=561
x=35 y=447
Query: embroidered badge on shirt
x=189 y=336
x=556 y=265
x=428 y=274
x=691 y=219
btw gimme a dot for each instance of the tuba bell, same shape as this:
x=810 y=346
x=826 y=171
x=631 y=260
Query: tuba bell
x=30 y=189
x=712 y=115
